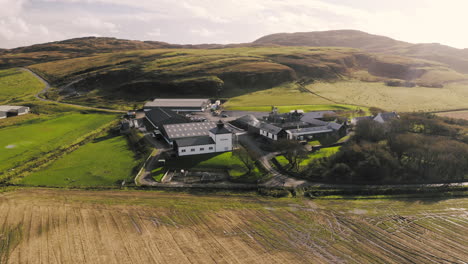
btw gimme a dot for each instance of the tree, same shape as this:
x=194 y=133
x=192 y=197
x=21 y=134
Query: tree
x=246 y=157
x=370 y=130
x=293 y=151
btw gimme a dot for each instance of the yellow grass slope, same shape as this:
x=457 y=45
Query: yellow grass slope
x=452 y=96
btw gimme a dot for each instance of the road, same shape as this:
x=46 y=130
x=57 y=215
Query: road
x=48 y=86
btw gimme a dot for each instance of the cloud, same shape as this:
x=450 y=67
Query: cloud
x=203 y=32
x=31 y=21
x=11 y=7
x=154 y=33
x=89 y=22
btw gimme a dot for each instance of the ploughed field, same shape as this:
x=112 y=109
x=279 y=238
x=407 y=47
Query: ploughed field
x=65 y=226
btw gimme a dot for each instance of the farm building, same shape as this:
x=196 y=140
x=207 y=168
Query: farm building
x=271 y=131
x=385 y=117
x=380 y=117
x=297 y=125
x=158 y=117
x=200 y=138
x=9 y=110
x=249 y=123
x=310 y=133
x=179 y=105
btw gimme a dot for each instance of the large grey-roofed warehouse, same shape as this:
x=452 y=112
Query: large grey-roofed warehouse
x=188 y=130
x=179 y=104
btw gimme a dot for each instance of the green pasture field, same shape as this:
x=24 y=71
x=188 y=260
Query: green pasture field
x=106 y=161
x=287 y=98
x=322 y=153
x=223 y=161
x=16 y=85
x=403 y=99
x=27 y=140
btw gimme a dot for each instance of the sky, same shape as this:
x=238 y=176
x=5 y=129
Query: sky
x=26 y=22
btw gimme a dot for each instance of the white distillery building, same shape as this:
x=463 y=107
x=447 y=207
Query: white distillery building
x=219 y=139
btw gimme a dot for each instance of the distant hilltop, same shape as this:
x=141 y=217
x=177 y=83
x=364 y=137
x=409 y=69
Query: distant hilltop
x=80 y=47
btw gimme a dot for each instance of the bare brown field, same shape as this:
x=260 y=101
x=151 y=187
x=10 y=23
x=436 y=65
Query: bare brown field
x=60 y=226
x=455 y=114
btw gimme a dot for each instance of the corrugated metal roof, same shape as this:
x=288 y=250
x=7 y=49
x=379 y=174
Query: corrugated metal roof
x=310 y=130
x=184 y=130
x=270 y=128
x=7 y=108
x=194 y=141
x=177 y=103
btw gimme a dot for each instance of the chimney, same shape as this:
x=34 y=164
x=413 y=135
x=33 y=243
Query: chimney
x=220 y=124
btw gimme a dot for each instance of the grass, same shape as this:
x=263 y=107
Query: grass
x=454 y=96
x=314 y=143
x=322 y=153
x=126 y=78
x=286 y=97
x=105 y=162
x=17 y=85
x=158 y=174
x=455 y=114
x=23 y=142
x=224 y=161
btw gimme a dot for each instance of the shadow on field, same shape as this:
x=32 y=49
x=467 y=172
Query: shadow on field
x=106 y=137
x=9 y=73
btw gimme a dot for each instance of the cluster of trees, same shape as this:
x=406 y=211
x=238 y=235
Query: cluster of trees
x=415 y=148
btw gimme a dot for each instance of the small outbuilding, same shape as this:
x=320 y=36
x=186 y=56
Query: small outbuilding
x=10 y=110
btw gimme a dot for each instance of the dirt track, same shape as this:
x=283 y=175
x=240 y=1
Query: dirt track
x=47 y=87
x=58 y=226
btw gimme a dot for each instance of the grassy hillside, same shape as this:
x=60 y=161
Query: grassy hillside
x=457 y=59
x=59 y=226
x=136 y=76
x=17 y=85
x=72 y=48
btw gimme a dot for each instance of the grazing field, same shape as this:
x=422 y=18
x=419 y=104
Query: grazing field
x=455 y=114
x=322 y=153
x=64 y=226
x=23 y=142
x=393 y=98
x=225 y=161
x=286 y=97
x=16 y=84
x=105 y=162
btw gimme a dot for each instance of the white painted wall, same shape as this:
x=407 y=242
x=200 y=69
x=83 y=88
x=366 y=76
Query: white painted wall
x=268 y=135
x=379 y=119
x=23 y=110
x=194 y=150
x=223 y=142
x=3 y=115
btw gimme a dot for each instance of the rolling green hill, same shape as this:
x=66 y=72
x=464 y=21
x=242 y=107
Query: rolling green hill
x=135 y=76
x=457 y=59
x=120 y=73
